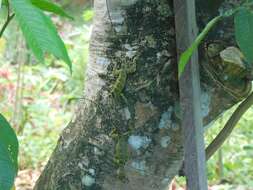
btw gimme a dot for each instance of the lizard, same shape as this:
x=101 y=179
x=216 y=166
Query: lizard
x=126 y=68
x=121 y=152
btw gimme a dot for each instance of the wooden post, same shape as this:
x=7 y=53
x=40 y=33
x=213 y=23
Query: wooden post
x=189 y=85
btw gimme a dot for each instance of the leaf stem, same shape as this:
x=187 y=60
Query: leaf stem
x=8 y=19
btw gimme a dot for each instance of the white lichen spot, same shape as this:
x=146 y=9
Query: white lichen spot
x=118 y=53
x=126 y=113
x=128 y=47
x=130 y=54
x=158 y=55
x=165 y=121
x=137 y=142
x=88 y=180
x=165 y=141
x=102 y=61
x=92 y=171
x=80 y=165
x=205 y=100
x=139 y=166
x=117 y=17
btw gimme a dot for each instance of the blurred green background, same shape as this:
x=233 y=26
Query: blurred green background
x=39 y=100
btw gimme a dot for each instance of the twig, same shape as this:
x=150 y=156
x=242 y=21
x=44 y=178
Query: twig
x=228 y=128
x=8 y=19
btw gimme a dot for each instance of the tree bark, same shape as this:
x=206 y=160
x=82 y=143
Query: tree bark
x=132 y=139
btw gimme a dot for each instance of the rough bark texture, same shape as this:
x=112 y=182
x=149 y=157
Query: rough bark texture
x=133 y=141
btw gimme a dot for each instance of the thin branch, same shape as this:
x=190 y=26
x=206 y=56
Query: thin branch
x=8 y=19
x=226 y=131
x=230 y=125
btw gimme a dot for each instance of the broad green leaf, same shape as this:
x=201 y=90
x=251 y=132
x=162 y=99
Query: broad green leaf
x=7 y=169
x=244 y=32
x=185 y=57
x=49 y=6
x=8 y=154
x=9 y=139
x=39 y=31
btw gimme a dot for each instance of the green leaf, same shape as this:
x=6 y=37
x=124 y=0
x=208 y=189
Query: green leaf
x=88 y=15
x=39 y=31
x=8 y=154
x=7 y=170
x=185 y=57
x=9 y=139
x=49 y=6
x=244 y=32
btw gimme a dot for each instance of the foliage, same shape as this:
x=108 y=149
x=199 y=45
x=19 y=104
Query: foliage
x=243 y=27
x=236 y=168
x=56 y=92
x=50 y=7
x=8 y=154
x=237 y=152
x=185 y=57
x=39 y=30
x=49 y=91
x=88 y=15
x=42 y=37
x=244 y=32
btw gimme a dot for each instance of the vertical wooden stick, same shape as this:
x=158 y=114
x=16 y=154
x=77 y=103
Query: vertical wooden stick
x=189 y=85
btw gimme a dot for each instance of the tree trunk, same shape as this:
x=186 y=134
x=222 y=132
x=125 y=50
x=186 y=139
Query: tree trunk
x=126 y=132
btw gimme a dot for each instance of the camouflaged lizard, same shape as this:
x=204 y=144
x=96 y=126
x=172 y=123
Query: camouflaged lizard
x=121 y=152
x=127 y=67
